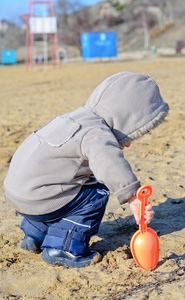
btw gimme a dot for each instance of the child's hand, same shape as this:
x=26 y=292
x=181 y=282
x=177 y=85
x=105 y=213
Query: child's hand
x=135 y=207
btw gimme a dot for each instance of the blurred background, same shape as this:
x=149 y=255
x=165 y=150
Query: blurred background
x=153 y=26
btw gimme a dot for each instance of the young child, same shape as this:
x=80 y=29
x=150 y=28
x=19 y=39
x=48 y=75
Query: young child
x=59 y=178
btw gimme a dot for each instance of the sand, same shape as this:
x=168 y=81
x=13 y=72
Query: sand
x=27 y=101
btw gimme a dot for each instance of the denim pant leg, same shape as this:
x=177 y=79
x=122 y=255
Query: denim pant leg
x=72 y=233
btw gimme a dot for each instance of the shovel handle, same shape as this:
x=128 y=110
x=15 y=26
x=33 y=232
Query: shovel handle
x=143 y=194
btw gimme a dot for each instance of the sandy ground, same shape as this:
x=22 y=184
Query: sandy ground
x=27 y=101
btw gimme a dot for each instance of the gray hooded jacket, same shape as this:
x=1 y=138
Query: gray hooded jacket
x=82 y=147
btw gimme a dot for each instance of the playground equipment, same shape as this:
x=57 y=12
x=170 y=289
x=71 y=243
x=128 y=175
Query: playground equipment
x=42 y=45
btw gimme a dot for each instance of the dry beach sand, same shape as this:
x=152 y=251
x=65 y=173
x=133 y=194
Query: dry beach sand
x=27 y=101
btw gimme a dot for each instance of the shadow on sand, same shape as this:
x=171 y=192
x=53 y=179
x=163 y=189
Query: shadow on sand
x=169 y=218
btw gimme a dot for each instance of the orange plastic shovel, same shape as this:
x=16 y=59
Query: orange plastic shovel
x=144 y=243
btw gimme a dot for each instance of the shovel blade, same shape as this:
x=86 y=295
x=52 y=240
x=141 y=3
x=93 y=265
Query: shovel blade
x=145 y=248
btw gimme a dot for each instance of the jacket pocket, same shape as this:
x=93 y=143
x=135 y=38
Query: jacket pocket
x=58 y=131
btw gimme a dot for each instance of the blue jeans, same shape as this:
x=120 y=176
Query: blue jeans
x=70 y=227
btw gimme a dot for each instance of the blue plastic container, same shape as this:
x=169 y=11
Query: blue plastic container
x=8 y=57
x=99 y=44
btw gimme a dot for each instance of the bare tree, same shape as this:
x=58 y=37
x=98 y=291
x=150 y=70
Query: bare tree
x=80 y=22
x=73 y=19
x=64 y=9
x=13 y=37
x=147 y=19
x=68 y=6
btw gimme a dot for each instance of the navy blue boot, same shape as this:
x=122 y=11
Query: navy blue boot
x=64 y=258
x=31 y=245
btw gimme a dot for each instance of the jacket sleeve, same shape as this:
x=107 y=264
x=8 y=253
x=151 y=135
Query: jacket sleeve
x=106 y=160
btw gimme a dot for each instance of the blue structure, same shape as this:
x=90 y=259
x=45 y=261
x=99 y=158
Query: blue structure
x=8 y=57
x=99 y=44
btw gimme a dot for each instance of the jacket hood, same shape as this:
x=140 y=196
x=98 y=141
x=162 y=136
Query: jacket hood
x=130 y=104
